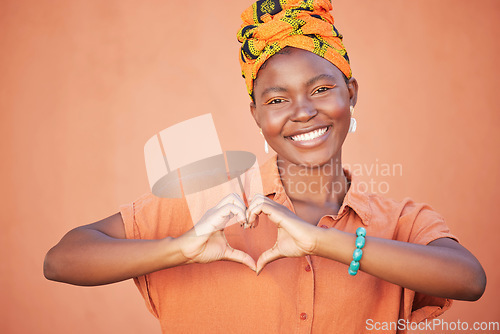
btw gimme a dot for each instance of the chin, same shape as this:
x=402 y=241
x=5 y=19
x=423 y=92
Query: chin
x=313 y=158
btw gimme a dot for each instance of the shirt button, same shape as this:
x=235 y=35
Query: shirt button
x=308 y=268
x=324 y=226
x=303 y=316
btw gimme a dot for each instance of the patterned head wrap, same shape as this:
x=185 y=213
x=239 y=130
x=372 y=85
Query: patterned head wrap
x=271 y=25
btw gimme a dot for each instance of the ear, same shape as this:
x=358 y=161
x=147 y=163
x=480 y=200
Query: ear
x=254 y=113
x=352 y=86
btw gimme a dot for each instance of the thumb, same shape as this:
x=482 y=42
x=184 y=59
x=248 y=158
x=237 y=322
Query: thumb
x=236 y=255
x=268 y=256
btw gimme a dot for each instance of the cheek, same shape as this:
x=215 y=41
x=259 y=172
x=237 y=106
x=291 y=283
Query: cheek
x=337 y=110
x=343 y=120
x=341 y=114
x=273 y=123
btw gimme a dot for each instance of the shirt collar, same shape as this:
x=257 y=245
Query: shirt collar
x=354 y=199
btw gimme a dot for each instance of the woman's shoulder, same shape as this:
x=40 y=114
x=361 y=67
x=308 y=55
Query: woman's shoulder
x=409 y=220
x=152 y=217
x=381 y=204
x=405 y=207
x=148 y=202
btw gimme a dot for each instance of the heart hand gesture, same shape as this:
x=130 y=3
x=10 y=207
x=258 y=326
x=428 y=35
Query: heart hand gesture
x=211 y=245
x=295 y=236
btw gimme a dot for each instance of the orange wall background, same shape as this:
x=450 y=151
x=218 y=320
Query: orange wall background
x=85 y=83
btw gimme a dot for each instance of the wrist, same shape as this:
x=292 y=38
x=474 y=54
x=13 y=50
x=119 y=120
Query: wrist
x=335 y=245
x=172 y=252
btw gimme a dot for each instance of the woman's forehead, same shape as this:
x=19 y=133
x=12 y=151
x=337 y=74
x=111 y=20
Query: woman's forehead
x=295 y=64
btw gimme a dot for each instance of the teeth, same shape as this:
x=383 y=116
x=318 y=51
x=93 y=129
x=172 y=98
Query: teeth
x=310 y=135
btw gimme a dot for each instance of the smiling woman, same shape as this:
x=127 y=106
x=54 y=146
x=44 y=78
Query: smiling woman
x=311 y=246
x=302 y=104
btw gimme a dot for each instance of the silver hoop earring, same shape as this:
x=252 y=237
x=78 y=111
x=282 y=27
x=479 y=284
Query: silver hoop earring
x=353 y=125
x=266 y=146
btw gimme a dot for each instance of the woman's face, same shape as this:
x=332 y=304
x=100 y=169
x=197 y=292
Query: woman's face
x=302 y=104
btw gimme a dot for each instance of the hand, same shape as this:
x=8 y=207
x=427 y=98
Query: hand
x=295 y=237
x=212 y=244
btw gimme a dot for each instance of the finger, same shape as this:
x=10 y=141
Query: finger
x=252 y=215
x=239 y=256
x=257 y=198
x=268 y=256
x=224 y=214
x=251 y=223
x=232 y=210
x=256 y=209
x=232 y=198
x=236 y=199
x=277 y=213
x=255 y=223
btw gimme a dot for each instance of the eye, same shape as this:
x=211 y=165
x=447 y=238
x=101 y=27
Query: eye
x=323 y=89
x=275 y=101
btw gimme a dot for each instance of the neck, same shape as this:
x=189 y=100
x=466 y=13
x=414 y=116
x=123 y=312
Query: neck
x=319 y=185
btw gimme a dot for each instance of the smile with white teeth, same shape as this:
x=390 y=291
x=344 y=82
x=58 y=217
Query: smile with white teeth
x=309 y=135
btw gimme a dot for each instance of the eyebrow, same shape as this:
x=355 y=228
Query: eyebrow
x=319 y=77
x=273 y=89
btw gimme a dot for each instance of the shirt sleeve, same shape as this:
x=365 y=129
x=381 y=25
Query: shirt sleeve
x=150 y=217
x=133 y=231
x=420 y=224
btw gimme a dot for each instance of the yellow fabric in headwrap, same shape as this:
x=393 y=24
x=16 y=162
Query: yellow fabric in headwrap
x=271 y=25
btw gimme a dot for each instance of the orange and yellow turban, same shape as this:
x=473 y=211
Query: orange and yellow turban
x=271 y=25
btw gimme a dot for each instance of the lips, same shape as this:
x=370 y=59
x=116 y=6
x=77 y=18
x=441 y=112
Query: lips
x=311 y=135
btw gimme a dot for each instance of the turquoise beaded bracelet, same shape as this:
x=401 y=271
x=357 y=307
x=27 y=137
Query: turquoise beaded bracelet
x=358 y=253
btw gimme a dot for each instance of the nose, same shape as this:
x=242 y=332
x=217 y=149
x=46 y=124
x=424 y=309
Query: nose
x=303 y=111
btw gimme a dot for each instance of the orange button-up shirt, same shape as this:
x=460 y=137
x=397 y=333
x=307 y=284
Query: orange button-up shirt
x=293 y=295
